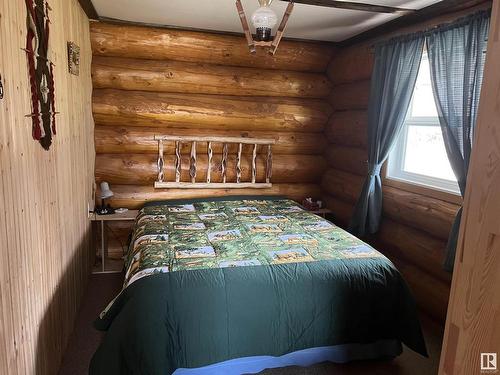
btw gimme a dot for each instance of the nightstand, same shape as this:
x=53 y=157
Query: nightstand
x=115 y=265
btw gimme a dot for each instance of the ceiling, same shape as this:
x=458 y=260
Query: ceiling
x=306 y=22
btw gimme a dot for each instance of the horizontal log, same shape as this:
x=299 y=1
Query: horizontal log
x=133 y=196
x=120 y=229
x=348 y=128
x=342 y=211
x=351 y=64
x=440 y=195
x=348 y=159
x=124 y=139
x=193 y=46
x=140 y=108
x=431 y=215
x=415 y=246
x=342 y=185
x=349 y=96
x=197 y=78
x=118 y=232
x=141 y=169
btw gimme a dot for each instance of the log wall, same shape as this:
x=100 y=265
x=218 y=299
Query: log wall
x=45 y=254
x=415 y=227
x=151 y=81
x=415 y=222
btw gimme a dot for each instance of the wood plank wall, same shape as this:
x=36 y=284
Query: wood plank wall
x=151 y=81
x=415 y=227
x=44 y=230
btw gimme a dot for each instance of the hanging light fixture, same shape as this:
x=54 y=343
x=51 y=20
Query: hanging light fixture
x=263 y=20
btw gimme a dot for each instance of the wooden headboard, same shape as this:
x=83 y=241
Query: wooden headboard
x=160 y=183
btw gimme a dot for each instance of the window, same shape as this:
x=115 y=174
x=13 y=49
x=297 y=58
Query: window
x=419 y=155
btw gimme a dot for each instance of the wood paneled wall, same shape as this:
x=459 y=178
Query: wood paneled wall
x=151 y=81
x=44 y=229
x=415 y=227
x=473 y=321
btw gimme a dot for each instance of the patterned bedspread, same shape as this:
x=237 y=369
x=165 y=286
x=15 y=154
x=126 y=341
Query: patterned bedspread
x=238 y=277
x=233 y=233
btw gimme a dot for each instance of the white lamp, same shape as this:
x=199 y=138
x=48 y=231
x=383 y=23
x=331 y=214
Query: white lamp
x=264 y=19
x=105 y=194
x=105 y=190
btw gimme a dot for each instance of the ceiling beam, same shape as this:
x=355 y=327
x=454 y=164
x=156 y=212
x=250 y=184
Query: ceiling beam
x=354 y=6
x=89 y=9
x=425 y=14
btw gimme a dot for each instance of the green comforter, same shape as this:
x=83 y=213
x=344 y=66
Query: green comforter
x=211 y=280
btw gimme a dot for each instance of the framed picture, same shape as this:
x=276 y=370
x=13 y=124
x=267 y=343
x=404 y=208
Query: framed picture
x=73 y=58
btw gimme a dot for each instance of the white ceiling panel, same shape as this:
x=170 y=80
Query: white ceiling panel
x=307 y=21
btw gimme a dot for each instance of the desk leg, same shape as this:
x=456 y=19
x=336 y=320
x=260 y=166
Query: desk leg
x=106 y=242
x=103 y=250
x=102 y=247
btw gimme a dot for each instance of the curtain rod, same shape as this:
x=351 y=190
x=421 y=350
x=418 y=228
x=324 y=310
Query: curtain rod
x=450 y=24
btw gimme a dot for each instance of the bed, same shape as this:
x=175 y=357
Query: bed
x=240 y=284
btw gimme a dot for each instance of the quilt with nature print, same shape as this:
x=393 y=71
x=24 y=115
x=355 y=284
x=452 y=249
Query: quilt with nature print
x=209 y=280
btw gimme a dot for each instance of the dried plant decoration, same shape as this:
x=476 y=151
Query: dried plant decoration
x=41 y=72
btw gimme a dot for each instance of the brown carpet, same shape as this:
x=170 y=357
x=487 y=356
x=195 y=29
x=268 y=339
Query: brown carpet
x=85 y=339
x=104 y=287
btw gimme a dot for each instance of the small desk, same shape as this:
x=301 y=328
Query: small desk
x=130 y=215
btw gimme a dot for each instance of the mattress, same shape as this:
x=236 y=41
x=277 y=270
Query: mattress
x=212 y=280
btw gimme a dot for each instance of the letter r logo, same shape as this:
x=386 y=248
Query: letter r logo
x=488 y=361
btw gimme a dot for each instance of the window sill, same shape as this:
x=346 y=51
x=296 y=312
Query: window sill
x=428 y=191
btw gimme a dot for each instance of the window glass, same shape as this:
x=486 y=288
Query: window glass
x=425 y=153
x=419 y=155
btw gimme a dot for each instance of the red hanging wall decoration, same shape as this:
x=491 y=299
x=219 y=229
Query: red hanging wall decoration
x=41 y=72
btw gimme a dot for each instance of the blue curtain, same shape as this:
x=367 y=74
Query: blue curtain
x=456 y=58
x=393 y=80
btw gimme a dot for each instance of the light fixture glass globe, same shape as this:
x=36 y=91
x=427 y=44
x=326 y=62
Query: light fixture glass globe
x=264 y=19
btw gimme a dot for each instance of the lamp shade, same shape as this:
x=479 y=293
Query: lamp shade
x=264 y=19
x=105 y=190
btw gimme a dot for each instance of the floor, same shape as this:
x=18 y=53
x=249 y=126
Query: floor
x=84 y=340
x=104 y=287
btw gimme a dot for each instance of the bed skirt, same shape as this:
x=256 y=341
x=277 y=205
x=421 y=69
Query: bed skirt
x=304 y=358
